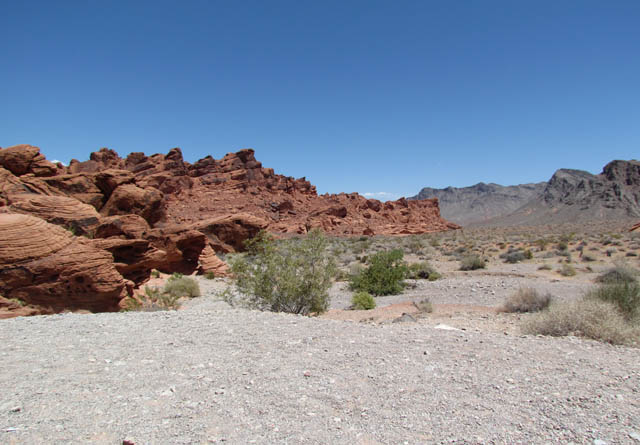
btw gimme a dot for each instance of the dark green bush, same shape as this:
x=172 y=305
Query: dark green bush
x=526 y=299
x=567 y=270
x=362 y=301
x=422 y=271
x=514 y=257
x=621 y=273
x=472 y=262
x=292 y=276
x=624 y=294
x=383 y=276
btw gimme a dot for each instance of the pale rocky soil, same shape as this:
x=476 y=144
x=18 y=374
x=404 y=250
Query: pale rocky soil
x=209 y=373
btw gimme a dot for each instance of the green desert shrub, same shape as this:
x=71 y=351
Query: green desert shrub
x=567 y=270
x=362 y=301
x=154 y=299
x=424 y=305
x=625 y=295
x=527 y=299
x=472 y=262
x=620 y=273
x=210 y=275
x=180 y=286
x=384 y=274
x=513 y=256
x=292 y=277
x=422 y=271
x=590 y=318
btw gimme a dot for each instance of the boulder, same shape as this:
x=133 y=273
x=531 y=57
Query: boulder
x=43 y=265
x=129 y=198
x=108 y=180
x=18 y=158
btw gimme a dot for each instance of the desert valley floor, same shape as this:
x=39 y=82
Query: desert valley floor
x=212 y=373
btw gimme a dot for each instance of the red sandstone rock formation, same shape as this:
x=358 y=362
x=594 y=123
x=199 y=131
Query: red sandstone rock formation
x=161 y=212
x=635 y=227
x=46 y=268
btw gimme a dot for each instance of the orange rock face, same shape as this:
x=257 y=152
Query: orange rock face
x=43 y=265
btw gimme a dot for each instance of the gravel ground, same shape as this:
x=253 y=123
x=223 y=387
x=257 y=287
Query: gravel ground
x=212 y=374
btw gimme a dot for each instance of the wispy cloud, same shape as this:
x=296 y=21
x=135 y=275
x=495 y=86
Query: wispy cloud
x=55 y=161
x=383 y=196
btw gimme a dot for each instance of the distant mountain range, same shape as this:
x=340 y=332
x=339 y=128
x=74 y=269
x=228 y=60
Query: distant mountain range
x=569 y=196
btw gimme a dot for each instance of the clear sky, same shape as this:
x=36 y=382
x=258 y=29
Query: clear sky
x=367 y=96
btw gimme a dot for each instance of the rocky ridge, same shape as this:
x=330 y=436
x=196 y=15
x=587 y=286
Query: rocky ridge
x=159 y=212
x=570 y=196
x=480 y=202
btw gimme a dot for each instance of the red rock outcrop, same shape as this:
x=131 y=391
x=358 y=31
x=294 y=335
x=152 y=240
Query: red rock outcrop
x=166 y=190
x=208 y=262
x=183 y=247
x=131 y=199
x=133 y=258
x=160 y=212
x=43 y=265
x=122 y=226
x=60 y=210
x=227 y=233
x=26 y=159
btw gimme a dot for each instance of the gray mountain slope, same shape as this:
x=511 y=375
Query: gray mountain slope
x=480 y=202
x=570 y=196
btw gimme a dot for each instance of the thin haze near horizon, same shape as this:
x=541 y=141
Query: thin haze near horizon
x=382 y=98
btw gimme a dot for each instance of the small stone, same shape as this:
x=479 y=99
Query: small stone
x=599 y=442
x=307 y=373
x=128 y=441
x=634 y=435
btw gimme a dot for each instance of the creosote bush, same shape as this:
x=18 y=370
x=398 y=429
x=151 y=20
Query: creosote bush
x=384 y=274
x=362 y=301
x=526 y=299
x=288 y=276
x=472 y=262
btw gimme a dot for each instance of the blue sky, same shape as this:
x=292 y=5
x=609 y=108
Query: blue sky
x=362 y=96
